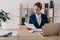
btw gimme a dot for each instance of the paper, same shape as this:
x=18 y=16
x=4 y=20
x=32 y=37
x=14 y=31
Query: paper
x=5 y=32
x=30 y=25
x=33 y=29
x=36 y=30
x=15 y=33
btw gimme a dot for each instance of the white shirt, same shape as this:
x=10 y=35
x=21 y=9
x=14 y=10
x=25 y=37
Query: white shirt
x=38 y=17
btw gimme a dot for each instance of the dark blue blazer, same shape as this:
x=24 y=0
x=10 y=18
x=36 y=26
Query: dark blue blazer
x=33 y=20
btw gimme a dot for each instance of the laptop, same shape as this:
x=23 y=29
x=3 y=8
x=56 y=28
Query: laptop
x=51 y=29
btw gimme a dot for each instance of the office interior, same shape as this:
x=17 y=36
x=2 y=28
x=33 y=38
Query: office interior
x=19 y=12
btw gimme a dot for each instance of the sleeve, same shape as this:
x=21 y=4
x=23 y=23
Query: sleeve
x=46 y=21
x=30 y=20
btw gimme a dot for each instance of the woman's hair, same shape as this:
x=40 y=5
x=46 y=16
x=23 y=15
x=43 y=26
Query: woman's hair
x=38 y=4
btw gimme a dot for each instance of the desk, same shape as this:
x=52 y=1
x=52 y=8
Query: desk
x=26 y=35
x=25 y=32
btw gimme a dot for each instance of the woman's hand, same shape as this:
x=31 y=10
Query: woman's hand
x=42 y=28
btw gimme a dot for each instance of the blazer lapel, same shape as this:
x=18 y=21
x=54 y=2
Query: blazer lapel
x=36 y=20
x=41 y=20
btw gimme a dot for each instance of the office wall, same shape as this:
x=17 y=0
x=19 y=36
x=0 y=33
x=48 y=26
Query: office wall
x=10 y=6
x=57 y=11
x=31 y=2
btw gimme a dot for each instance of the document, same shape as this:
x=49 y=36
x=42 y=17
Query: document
x=5 y=33
x=30 y=25
x=36 y=30
x=33 y=29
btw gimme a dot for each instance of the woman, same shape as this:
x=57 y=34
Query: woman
x=37 y=18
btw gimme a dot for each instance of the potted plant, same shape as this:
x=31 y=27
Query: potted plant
x=3 y=16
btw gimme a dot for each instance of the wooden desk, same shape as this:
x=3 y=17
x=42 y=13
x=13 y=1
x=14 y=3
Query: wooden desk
x=25 y=32
x=26 y=35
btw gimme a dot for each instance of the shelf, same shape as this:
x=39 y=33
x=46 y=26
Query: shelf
x=45 y=10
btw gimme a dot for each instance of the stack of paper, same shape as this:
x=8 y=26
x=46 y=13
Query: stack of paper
x=33 y=29
x=5 y=33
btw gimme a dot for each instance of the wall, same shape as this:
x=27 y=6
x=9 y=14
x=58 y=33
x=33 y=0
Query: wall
x=57 y=11
x=10 y=6
x=31 y=2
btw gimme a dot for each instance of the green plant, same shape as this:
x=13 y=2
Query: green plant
x=3 y=16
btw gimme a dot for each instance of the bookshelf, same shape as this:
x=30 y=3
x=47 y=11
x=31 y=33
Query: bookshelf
x=48 y=10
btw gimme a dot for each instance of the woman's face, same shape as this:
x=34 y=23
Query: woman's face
x=37 y=10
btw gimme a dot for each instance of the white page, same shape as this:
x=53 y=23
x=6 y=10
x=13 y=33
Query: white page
x=4 y=32
x=30 y=25
x=15 y=33
x=36 y=30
